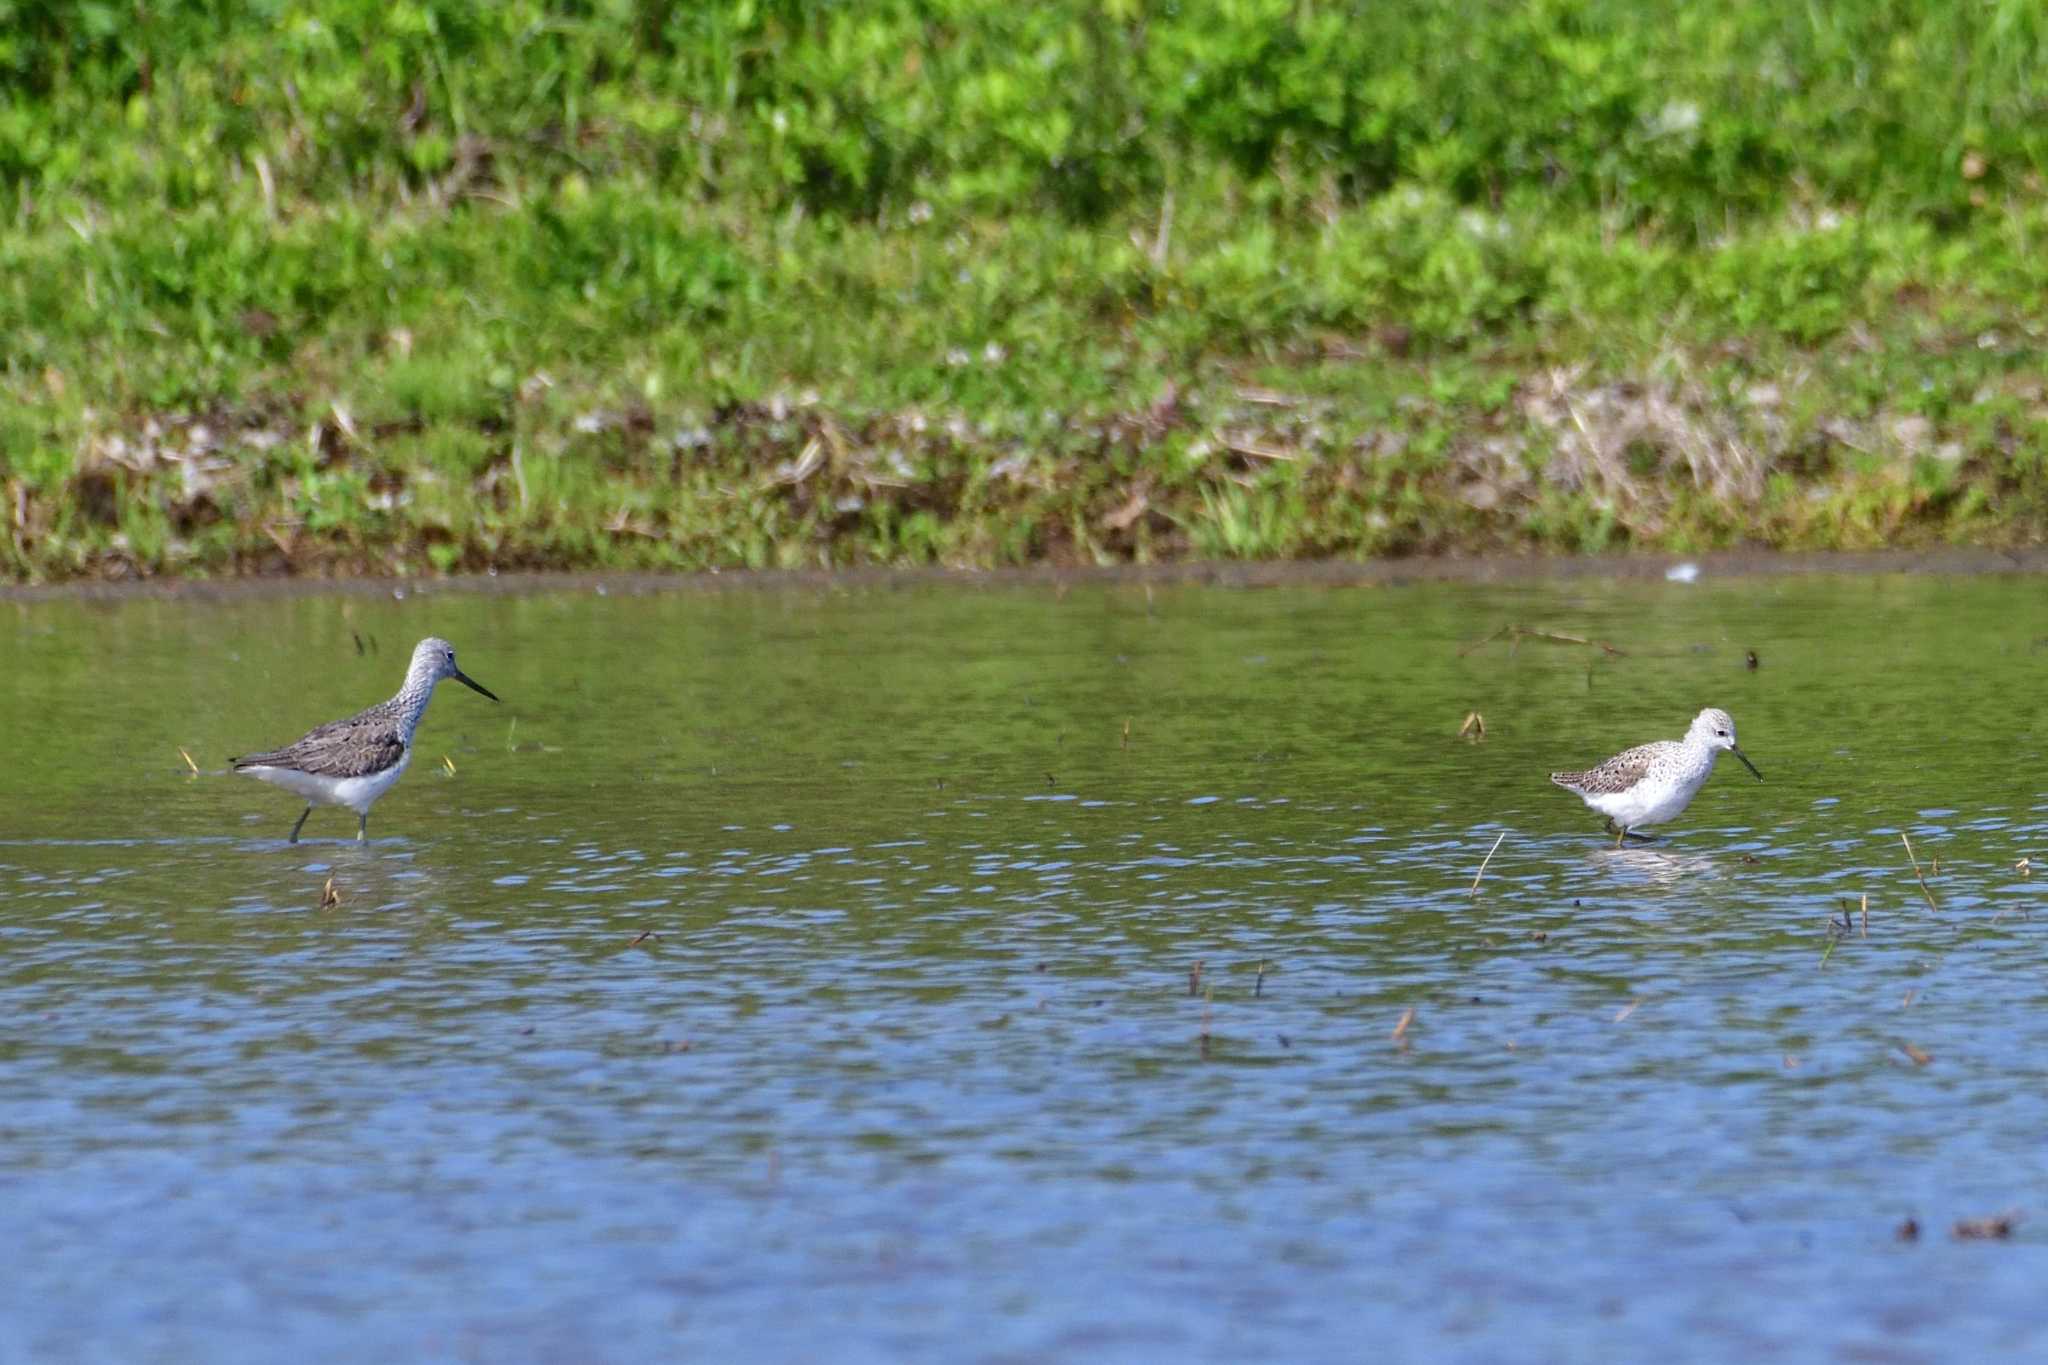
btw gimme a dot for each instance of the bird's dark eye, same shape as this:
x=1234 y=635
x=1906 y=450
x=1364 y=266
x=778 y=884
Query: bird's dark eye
x=1722 y=733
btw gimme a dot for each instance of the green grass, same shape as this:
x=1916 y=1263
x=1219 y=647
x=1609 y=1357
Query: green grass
x=332 y=286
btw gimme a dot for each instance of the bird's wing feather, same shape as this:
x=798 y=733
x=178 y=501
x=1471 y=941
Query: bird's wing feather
x=1617 y=774
x=365 y=743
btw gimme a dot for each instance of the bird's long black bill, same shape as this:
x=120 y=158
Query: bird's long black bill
x=1737 y=752
x=473 y=685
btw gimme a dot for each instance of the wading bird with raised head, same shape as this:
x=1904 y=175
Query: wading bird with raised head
x=353 y=762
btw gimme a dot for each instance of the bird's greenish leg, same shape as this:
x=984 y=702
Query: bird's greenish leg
x=299 y=826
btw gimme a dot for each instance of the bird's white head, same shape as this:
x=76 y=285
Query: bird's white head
x=1712 y=727
x=1715 y=728
x=433 y=659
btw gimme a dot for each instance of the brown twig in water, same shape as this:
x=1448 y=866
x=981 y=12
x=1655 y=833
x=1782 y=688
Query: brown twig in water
x=1259 y=981
x=1916 y=871
x=1401 y=1029
x=1866 y=914
x=329 y=896
x=1484 y=861
x=1517 y=634
x=1920 y=1058
x=1627 y=1010
x=1195 y=979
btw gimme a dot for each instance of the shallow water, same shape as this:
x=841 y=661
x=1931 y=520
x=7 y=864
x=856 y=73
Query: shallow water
x=806 y=974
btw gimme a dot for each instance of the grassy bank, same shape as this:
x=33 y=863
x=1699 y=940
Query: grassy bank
x=329 y=287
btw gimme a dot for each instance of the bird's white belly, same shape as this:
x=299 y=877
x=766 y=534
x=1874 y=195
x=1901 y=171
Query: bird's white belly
x=357 y=793
x=1648 y=802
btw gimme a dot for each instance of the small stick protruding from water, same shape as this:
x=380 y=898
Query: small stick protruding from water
x=449 y=764
x=1916 y=871
x=195 y=768
x=1866 y=914
x=1125 y=742
x=1919 y=1057
x=1195 y=979
x=1484 y=861
x=329 y=896
x=1259 y=981
x=1401 y=1029
x=1628 y=1009
x=1474 y=727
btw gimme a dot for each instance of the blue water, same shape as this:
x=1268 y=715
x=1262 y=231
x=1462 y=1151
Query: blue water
x=790 y=974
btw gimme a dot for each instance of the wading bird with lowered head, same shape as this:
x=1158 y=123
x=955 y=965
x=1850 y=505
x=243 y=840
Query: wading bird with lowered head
x=1654 y=782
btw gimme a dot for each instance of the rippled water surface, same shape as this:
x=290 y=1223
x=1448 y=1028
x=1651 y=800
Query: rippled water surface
x=1011 y=973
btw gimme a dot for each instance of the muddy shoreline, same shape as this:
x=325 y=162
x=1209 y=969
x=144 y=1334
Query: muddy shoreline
x=1283 y=574
x=1322 y=573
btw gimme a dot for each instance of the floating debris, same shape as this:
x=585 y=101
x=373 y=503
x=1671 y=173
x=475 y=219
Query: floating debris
x=2025 y=866
x=1687 y=572
x=1996 y=1228
x=195 y=767
x=1474 y=727
x=1920 y=1057
x=1749 y=660
x=642 y=937
x=1401 y=1028
x=1627 y=1010
x=1908 y=1231
x=330 y=895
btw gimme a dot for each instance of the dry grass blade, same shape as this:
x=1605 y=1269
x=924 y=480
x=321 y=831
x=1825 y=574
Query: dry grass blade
x=1484 y=861
x=1516 y=634
x=1916 y=871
